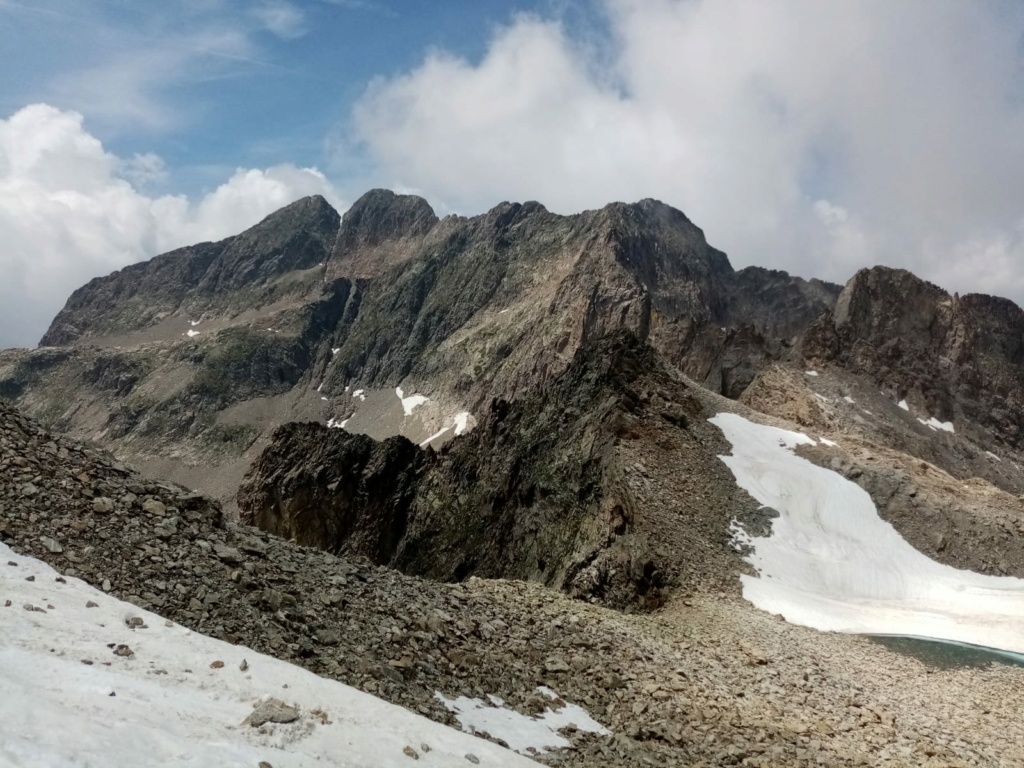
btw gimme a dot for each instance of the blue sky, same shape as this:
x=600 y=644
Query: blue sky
x=817 y=137
x=210 y=85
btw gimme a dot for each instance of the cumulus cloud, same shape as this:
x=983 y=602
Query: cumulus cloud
x=70 y=210
x=815 y=137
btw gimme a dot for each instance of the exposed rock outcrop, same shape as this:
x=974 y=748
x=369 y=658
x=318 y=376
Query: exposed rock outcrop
x=955 y=359
x=579 y=486
x=236 y=274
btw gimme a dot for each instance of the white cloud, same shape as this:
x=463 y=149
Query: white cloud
x=69 y=212
x=816 y=137
x=282 y=18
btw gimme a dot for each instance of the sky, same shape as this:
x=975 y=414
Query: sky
x=814 y=137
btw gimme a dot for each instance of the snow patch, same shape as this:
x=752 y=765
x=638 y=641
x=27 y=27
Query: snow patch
x=191 y=334
x=338 y=423
x=521 y=732
x=335 y=350
x=829 y=443
x=849 y=400
x=166 y=705
x=934 y=424
x=320 y=387
x=992 y=456
x=833 y=564
x=194 y=323
x=409 y=404
x=903 y=404
x=461 y=422
x=810 y=373
x=360 y=393
x=434 y=437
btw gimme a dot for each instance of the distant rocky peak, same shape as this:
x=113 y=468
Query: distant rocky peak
x=882 y=300
x=506 y=214
x=382 y=215
x=654 y=212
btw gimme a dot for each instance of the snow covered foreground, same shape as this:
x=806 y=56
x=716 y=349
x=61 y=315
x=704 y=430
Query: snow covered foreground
x=833 y=564
x=180 y=699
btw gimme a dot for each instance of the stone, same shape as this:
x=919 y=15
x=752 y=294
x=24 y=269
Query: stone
x=227 y=554
x=272 y=711
x=154 y=507
x=102 y=505
x=556 y=664
x=51 y=544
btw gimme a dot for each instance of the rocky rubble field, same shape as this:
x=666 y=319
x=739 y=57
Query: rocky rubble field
x=706 y=681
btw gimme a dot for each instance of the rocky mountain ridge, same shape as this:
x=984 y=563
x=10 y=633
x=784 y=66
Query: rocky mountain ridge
x=952 y=358
x=594 y=485
x=524 y=397
x=191 y=359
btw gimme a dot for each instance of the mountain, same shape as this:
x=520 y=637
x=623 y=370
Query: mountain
x=186 y=363
x=566 y=476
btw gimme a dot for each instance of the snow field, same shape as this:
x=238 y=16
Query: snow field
x=833 y=564
x=67 y=700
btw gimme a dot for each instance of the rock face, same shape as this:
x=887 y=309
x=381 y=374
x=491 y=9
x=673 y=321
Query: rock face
x=238 y=273
x=572 y=486
x=956 y=359
x=186 y=363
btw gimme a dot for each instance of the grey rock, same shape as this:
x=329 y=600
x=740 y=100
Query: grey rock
x=102 y=505
x=154 y=507
x=272 y=711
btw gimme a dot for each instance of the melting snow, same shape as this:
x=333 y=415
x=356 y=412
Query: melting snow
x=521 y=732
x=409 y=404
x=903 y=404
x=934 y=424
x=833 y=564
x=433 y=437
x=461 y=422
x=165 y=704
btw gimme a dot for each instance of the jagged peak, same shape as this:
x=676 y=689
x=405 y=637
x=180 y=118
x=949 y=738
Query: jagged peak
x=303 y=210
x=381 y=214
x=651 y=209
